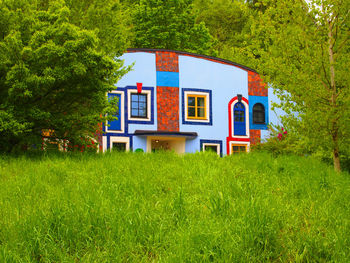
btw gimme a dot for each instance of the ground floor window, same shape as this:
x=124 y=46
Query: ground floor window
x=119 y=146
x=211 y=148
x=211 y=145
x=238 y=148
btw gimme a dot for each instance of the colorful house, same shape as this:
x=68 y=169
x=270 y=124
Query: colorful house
x=187 y=102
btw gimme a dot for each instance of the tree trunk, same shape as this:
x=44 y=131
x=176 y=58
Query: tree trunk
x=336 y=158
x=333 y=89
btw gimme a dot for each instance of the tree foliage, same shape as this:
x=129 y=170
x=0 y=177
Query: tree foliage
x=52 y=74
x=303 y=51
x=170 y=25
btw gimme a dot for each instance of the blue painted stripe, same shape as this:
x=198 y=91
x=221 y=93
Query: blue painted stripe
x=167 y=79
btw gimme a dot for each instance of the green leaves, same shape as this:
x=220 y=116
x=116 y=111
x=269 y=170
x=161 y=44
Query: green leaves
x=53 y=75
x=170 y=25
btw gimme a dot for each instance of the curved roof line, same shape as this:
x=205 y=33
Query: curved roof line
x=192 y=55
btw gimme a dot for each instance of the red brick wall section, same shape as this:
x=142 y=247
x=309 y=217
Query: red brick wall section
x=255 y=136
x=255 y=85
x=168 y=108
x=167 y=61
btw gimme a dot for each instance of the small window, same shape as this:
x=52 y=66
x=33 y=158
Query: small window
x=196 y=107
x=138 y=105
x=258 y=114
x=238 y=148
x=211 y=148
x=119 y=146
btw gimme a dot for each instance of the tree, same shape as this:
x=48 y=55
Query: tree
x=52 y=75
x=170 y=25
x=229 y=23
x=302 y=49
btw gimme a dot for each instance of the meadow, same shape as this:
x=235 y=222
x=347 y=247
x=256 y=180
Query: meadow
x=161 y=207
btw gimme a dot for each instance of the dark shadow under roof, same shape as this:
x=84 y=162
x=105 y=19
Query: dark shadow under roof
x=192 y=55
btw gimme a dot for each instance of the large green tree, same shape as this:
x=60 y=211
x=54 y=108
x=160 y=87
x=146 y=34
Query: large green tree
x=302 y=49
x=170 y=24
x=53 y=74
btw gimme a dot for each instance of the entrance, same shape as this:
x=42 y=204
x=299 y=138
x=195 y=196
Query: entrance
x=161 y=143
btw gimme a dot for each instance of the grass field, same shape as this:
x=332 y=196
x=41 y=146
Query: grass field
x=163 y=207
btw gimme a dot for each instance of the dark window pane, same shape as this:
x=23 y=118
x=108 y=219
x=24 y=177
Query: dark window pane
x=242 y=148
x=201 y=112
x=211 y=148
x=200 y=102
x=191 y=111
x=119 y=146
x=191 y=101
x=259 y=113
x=235 y=148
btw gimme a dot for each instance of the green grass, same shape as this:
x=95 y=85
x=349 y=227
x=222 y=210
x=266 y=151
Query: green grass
x=167 y=208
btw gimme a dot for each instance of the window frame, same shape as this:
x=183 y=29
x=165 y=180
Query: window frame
x=138 y=109
x=207 y=95
x=121 y=113
x=196 y=107
x=263 y=112
x=239 y=151
x=149 y=106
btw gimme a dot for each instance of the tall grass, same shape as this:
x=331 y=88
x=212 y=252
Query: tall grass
x=163 y=207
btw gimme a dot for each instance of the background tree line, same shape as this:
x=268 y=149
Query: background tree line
x=59 y=58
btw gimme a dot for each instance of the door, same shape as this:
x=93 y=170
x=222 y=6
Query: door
x=239 y=119
x=116 y=124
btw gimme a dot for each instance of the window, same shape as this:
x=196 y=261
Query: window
x=196 y=107
x=258 y=114
x=116 y=143
x=138 y=105
x=211 y=148
x=116 y=125
x=239 y=119
x=239 y=148
x=119 y=146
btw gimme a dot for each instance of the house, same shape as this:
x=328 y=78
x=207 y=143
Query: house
x=186 y=102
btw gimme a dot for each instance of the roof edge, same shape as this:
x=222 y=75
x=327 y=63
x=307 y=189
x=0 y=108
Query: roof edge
x=193 y=55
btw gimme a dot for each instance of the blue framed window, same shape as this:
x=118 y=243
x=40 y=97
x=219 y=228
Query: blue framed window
x=115 y=125
x=239 y=119
x=259 y=114
x=139 y=105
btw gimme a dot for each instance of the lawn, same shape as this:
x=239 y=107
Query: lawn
x=162 y=207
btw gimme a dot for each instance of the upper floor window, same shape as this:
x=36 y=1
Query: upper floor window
x=258 y=114
x=196 y=107
x=138 y=105
x=239 y=119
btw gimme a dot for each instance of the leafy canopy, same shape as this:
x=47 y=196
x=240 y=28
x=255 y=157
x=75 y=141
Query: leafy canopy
x=53 y=74
x=170 y=25
x=303 y=50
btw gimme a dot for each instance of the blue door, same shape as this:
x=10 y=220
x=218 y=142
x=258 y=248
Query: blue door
x=239 y=119
x=116 y=124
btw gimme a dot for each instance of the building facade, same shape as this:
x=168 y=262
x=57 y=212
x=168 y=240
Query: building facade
x=186 y=102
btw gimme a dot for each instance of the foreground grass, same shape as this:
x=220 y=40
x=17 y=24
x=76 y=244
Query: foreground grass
x=168 y=208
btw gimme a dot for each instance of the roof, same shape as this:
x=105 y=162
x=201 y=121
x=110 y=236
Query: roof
x=215 y=59
x=166 y=133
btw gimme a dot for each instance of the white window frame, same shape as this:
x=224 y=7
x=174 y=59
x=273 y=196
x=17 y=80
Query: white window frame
x=121 y=111
x=207 y=103
x=115 y=139
x=218 y=150
x=148 y=93
x=246 y=120
x=239 y=143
